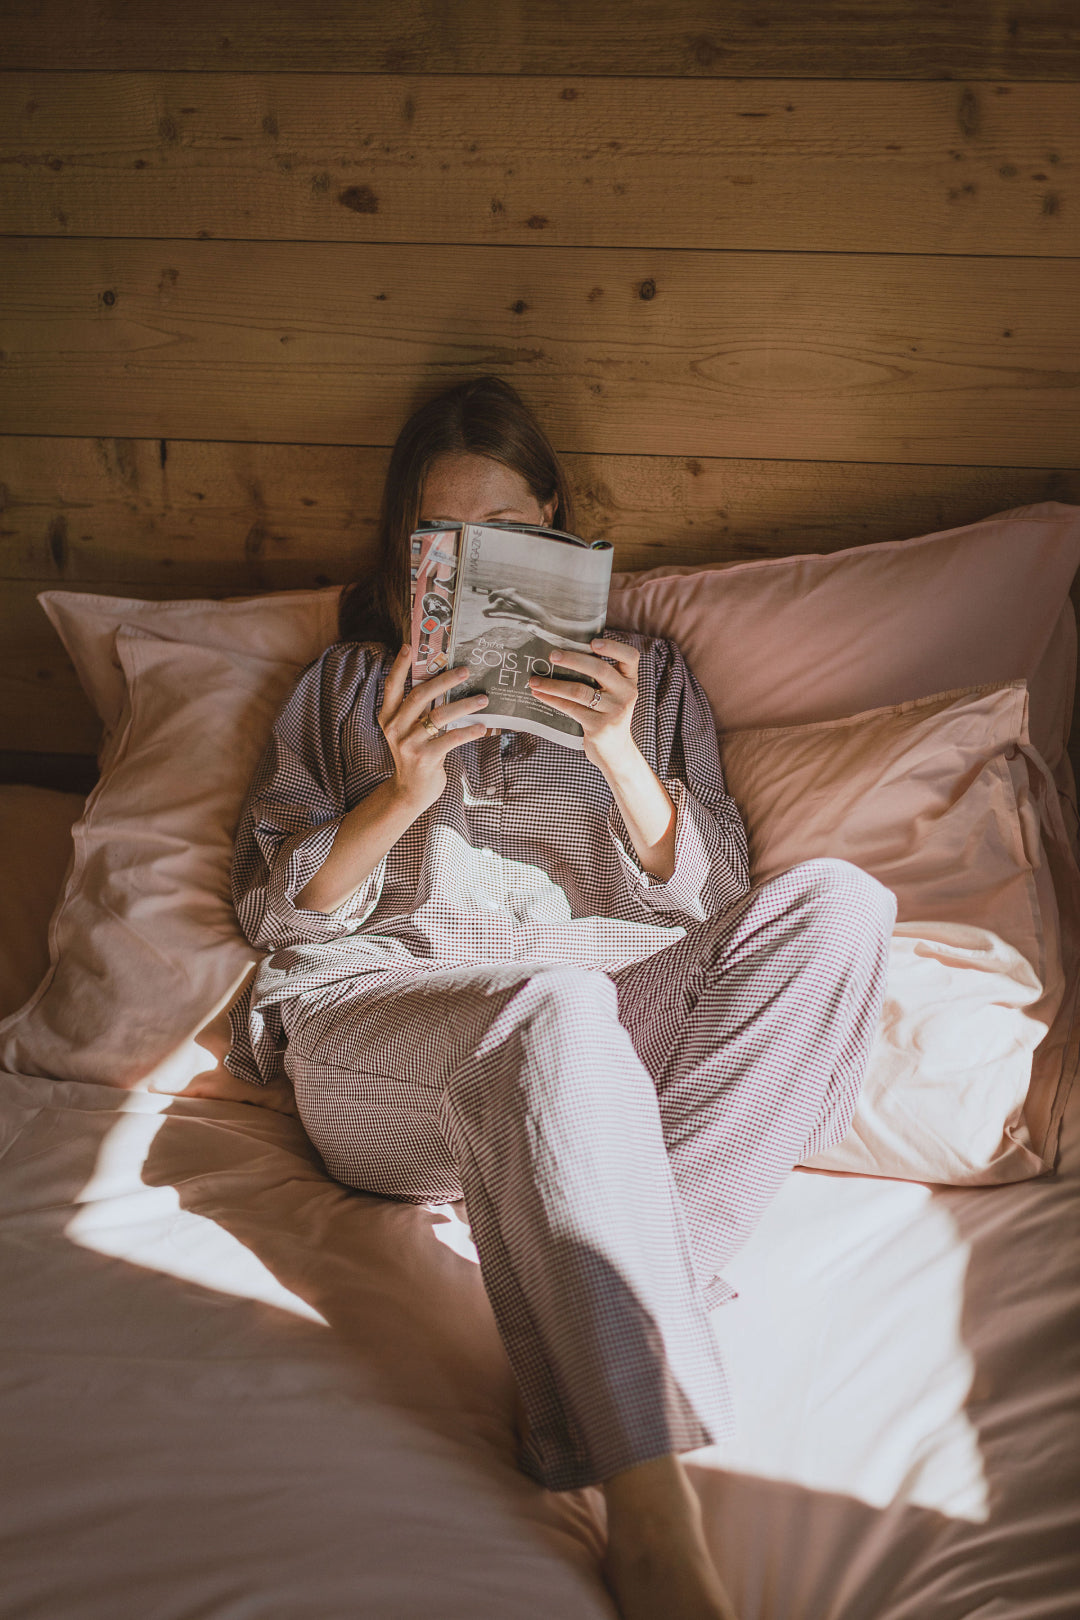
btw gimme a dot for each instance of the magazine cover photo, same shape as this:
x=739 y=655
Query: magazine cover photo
x=517 y=601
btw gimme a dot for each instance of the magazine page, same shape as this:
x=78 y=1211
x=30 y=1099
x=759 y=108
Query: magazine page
x=518 y=597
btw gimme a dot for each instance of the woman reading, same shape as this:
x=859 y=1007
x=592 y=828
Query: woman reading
x=539 y=979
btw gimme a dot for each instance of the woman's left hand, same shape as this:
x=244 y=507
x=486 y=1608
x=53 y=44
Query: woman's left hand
x=644 y=801
x=605 y=719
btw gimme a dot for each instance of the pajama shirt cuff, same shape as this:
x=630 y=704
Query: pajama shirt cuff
x=295 y=864
x=240 y=1059
x=695 y=853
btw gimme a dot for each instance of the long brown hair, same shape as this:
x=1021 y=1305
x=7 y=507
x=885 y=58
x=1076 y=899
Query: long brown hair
x=483 y=416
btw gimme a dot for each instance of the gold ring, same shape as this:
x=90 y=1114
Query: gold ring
x=429 y=725
x=594 y=701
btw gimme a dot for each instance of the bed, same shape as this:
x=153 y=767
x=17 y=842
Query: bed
x=233 y=1388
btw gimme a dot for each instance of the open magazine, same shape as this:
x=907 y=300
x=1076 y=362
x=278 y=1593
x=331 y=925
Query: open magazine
x=499 y=597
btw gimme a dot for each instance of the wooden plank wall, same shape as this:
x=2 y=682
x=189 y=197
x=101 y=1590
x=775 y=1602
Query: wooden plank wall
x=777 y=278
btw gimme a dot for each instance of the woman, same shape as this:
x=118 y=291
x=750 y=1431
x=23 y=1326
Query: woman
x=539 y=979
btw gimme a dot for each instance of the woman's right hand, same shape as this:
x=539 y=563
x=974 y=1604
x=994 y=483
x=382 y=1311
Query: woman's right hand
x=419 y=770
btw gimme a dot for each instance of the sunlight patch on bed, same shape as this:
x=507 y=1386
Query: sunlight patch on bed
x=120 y=1216
x=838 y=1386
x=453 y=1230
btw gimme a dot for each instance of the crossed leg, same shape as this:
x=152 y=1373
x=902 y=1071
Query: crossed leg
x=757 y=1029
x=615 y=1139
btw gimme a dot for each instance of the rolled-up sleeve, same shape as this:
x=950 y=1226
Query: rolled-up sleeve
x=294 y=807
x=674 y=727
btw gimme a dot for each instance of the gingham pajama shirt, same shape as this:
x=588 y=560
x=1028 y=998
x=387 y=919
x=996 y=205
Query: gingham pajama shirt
x=617 y=1074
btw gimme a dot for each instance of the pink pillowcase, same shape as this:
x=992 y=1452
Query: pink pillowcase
x=795 y=639
x=291 y=626
x=187 y=692
x=145 y=949
x=939 y=799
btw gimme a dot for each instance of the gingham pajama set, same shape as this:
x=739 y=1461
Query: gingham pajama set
x=617 y=1074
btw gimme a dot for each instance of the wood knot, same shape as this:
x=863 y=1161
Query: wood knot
x=361 y=199
x=968 y=113
x=704 y=50
x=58 y=542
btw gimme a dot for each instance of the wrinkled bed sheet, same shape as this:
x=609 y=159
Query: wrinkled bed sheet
x=232 y=1389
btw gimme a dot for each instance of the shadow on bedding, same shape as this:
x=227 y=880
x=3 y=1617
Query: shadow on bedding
x=411 y=1332
x=213 y=1452
x=397 y=1284
x=175 y=1408
x=413 y=1320
x=411 y=1326
x=1018 y=1324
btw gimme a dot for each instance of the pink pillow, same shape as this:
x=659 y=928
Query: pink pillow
x=940 y=798
x=291 y=626
x=793 y=639
x=188 y=722
x=145 y=953
x=145 y=950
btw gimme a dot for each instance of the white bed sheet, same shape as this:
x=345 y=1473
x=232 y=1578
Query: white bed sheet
x=231 y=1389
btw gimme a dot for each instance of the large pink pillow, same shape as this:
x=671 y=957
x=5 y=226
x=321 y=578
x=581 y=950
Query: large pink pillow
x=794 y=639
x=944 y=801
x=145 y=949
x=291 y=627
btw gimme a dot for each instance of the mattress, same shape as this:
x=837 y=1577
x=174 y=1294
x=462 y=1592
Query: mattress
x=232 y=1388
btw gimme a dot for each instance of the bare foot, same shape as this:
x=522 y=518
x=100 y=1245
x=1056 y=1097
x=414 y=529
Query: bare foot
x=657 y=1564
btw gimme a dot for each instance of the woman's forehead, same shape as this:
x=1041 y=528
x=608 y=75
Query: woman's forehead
x=471 y=477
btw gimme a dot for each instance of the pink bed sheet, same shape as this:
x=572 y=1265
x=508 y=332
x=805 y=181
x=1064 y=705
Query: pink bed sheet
x=232 y=1389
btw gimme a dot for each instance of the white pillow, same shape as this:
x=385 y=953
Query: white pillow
x=949 y=1072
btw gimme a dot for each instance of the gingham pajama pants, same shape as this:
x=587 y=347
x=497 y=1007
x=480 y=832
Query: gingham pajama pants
x=615 y=1138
